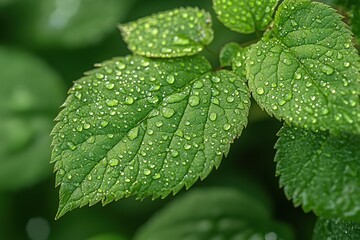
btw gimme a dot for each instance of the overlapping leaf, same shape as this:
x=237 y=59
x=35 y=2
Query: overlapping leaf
x=334 y=229
x=245 y=16
x=215 y=213
x=228 y=53
x=145 y=127
x=174 y=33
x=306 y=71
x=320 y=172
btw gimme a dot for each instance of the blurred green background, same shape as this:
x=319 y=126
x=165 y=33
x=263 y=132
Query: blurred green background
x=47 y=44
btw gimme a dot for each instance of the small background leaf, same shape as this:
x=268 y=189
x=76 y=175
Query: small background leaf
x=25 y=118
x=70 y=23
x=334 y=229
x=221 y=213
x=245 y=16
x=173 y=33
x=320 y=172
x=228 y=53
x=355 y=21
x=307 y=72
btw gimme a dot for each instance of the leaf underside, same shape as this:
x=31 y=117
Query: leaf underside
x=320 y=171
x=173 y=33
x=144 y=127
x=306 y=71
x=245 y=16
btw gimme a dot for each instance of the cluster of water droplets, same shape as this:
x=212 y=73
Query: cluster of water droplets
x=306 y=74
x=245 y=16
x=174 y=33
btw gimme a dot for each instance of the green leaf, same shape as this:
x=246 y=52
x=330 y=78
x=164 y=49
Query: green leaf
x=27 y=106
x=71 y=23
x=245 y=16
x=320 y=171
x=306 y=71
x=333 y=229
x=213 y=213
x=173 y=33
x=145 y=127
x=107 y=236
x=228 y=53
x=355 y=21
x=239 y=62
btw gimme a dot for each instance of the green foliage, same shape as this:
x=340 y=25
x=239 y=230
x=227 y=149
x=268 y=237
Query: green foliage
x=306 y=70
x=228 y=53
x=333 y=229
x=211 y=213
x=174 y=33
x=71 y=23
x=355 y=21
x=320 y=171
x=170 y=140
x=150 y=123
x=245 y=16
x=26 y=118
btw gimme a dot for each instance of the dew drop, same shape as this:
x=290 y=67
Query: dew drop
x=198 y=85
x=110 y=86
x=99 y=75
x=71 y=146
x=145 y=63
x=133 y=133
x=113 y=162
x=78 y=95
x=112 y=102
x=230 y=99
x=87 y=125
x=159 y=123
x=187 y=146
x=147 y=172
x=213 y=116
x=194 y=101
x=215 y=79
x=226 y=126
x=287 y=62
x=69 y=176
x=129 y=100
x=174 y=153
x=325 y=111
x=327 y=69
x=178 y=40
x=281 y=102
x=156 y=176
x=104 y=123
x=167 y=112
x=297 y=75
x=260 y=91
x=120 y=65
x=170 y=79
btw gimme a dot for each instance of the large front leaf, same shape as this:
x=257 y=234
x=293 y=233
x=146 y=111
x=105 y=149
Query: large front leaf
x=320 y=172
x=144 y=127
x=306 y=71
